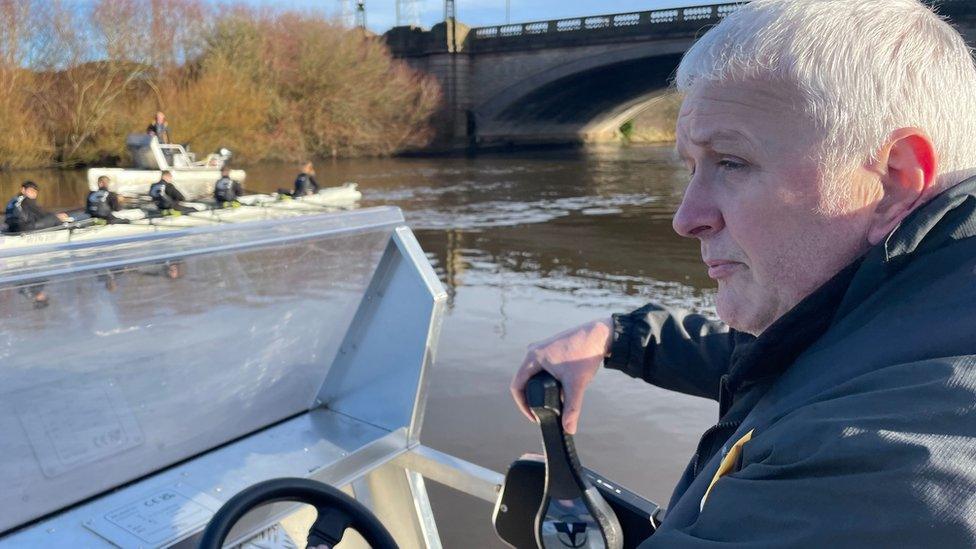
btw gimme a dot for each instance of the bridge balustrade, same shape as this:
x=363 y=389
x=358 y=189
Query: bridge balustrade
x=704 y=12
x=663 y=16
x=626 y=19
x=663 y=23
x=600 y=22
x=568 y=25
x=726 y=10
x=666 y=22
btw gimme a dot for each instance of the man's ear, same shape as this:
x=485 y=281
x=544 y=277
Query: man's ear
x=908 y=167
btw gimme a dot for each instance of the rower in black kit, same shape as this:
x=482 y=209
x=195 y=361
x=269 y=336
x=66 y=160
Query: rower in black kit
x=103 y=203
x=557 y=503
x=167 y=197
x=227 y=190
x=23 y=214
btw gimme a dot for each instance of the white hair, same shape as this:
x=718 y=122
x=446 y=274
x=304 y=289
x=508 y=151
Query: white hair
x=864 y=68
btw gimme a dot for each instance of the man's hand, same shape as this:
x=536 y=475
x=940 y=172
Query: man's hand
x=573 y=357
x=63 y=217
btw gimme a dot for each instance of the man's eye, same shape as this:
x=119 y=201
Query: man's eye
x=729 y=164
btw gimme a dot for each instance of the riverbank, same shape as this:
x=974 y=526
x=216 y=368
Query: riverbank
x=269 y=85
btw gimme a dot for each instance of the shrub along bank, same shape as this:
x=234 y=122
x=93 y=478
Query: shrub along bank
x=269 y=85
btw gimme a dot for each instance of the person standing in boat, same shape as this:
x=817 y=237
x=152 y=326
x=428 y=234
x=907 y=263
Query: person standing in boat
x=159 y=128
x=830 y=148
x=23 y=214
x=227 y=190
x=166 y=196
x=101 y=203
x=305 y=183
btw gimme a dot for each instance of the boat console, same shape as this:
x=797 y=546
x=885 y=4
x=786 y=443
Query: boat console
x=553 y=502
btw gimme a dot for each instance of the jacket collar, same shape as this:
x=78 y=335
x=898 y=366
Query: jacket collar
x=948 y=217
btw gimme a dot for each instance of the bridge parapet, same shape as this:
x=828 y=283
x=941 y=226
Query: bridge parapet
x=664 y=23
x=613 y=28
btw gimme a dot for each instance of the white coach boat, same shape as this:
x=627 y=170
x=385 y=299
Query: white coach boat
x=194 y=178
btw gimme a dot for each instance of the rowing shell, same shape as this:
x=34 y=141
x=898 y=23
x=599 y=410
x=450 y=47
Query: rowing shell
x=254 y=207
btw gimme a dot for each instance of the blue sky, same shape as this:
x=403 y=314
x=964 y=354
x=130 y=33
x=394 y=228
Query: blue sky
x=381 y=14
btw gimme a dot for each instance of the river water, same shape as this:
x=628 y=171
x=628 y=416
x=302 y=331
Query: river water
x=527 y=245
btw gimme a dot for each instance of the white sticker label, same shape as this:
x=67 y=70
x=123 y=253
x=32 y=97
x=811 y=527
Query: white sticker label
x=160 y=517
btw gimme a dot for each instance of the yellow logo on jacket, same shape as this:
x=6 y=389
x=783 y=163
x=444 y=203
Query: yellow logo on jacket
x=727 y=465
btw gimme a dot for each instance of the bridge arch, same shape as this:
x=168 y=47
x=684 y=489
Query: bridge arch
x=581 y=98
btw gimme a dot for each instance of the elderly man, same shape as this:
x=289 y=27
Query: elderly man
x=159 y=128
x=828 y=144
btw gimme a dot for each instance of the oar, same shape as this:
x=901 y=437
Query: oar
x=307 y=205
x=151 y=223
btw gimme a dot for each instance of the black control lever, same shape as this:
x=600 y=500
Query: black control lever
x=573 y=513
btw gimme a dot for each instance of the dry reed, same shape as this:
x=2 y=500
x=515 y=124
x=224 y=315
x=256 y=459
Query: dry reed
x=269 y=85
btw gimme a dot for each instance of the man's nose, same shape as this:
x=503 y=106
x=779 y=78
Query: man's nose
x=697 y=216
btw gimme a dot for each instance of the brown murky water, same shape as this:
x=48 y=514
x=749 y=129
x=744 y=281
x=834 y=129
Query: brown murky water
x=528 y=245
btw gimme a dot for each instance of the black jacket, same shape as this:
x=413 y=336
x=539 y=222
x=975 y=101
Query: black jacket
x=169 y=197
x=851 y=421
x=101 y=203
x=161 y=131
x=227 y=190
x=24 y=214
x=305 y=184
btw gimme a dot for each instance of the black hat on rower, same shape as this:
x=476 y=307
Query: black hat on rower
x=29 y=185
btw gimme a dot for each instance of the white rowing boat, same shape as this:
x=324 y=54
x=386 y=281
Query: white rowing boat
x=253 y=208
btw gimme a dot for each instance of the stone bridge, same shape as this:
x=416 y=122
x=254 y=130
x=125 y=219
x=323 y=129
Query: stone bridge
x=567 y=80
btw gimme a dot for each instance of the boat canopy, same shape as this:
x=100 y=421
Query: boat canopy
x=148 y=379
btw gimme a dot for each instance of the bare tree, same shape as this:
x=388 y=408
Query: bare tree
x=272 y=84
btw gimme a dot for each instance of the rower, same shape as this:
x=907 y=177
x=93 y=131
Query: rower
x=227 y=190
x=305 y=183
x=166 y=196
x=102 y=202
x=23 y=214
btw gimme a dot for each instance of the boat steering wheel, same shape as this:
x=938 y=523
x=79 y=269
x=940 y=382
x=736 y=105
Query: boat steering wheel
x=336 y=512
